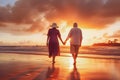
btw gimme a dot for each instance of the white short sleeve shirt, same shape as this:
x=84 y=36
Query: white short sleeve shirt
x=75 y=36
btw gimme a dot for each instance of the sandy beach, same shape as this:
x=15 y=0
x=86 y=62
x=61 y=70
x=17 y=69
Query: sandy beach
x=39 y=67
x=30 y=30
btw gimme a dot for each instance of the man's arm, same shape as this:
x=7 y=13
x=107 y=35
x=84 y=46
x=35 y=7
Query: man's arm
x=69 y=35
x=81 y=37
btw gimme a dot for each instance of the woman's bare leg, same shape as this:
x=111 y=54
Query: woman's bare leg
x=53 y=60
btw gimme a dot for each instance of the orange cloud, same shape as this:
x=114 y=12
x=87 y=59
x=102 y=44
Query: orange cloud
x=92 y=13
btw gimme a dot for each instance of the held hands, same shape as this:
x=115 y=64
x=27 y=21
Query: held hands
x=64 y=42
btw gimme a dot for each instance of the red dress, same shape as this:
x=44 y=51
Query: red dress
x=53 y=45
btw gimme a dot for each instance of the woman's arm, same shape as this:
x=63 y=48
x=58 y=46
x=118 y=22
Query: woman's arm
x=61 y=39
x=59 y=35
x=48 y=37
x=47 y=40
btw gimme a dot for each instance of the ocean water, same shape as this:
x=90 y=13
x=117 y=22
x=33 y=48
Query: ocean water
x=43 y=50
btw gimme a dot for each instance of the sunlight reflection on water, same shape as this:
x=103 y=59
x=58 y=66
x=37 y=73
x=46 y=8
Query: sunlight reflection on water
x=85 y=69
x=97 y=69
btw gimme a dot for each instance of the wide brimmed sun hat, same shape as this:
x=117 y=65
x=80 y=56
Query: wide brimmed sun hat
x=54 y=25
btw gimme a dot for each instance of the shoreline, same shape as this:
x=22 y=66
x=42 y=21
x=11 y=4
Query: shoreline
x=94 y=56
x=85 y=52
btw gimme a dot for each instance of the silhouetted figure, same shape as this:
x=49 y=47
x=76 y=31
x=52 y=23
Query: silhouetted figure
x=52 y=73
x=52 y=41
x=74 y=75
x=75 y=36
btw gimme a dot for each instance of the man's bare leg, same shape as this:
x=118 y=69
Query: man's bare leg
x=74 y=58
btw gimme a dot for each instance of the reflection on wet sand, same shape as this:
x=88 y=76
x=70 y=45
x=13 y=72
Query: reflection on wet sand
x=52 y=73
x=38 y=67
x=74 y=75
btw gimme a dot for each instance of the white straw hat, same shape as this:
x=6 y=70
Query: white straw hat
x=54 y=25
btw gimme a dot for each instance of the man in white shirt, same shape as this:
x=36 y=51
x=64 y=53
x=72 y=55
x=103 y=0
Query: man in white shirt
x=75 y=36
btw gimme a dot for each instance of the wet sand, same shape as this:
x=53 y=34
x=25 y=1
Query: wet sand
x=40 y=67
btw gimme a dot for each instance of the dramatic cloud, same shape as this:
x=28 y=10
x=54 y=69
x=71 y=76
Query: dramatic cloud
x=114 y=35
x=39 y=13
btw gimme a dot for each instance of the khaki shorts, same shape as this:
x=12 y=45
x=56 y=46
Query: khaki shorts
x=74 y=48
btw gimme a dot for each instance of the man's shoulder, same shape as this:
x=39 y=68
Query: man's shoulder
x=76 y=28
x=79 y=29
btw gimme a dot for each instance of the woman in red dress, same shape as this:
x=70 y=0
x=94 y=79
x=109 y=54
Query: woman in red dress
x=52 y=41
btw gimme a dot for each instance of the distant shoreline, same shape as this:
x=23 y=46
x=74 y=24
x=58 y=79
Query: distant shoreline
x=93 y=50
x=106 y=44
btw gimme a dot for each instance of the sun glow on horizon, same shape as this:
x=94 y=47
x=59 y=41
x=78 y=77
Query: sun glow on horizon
x=87 y=33
x=90 y=36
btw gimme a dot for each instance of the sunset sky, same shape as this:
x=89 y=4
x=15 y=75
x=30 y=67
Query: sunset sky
x=26 y=22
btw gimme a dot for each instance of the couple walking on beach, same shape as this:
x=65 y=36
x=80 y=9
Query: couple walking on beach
x=75 y=36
